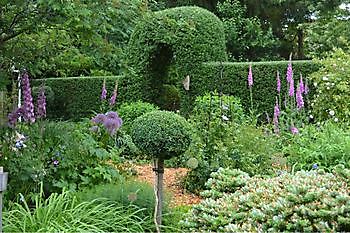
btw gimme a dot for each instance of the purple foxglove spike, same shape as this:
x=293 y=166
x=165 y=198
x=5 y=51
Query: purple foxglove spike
x=306 y=89
x=301 y=84
x=104 y=91
x=114 y=96
x=289 y=72
x=278 y=83
x=299 y=98
x=291 y=87
x=13 y=117
x=250 y=76
x=41 y=104
x=28 y=107
x=275 y=117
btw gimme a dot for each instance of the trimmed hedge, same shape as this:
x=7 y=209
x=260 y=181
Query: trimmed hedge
x=166 y=46
x=207 y=77
x=75 y=97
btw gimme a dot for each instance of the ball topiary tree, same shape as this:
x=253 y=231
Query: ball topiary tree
x=168 y=45
x=161 y=135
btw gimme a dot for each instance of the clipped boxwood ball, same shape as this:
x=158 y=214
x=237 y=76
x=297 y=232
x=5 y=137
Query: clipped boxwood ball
x=161 y=134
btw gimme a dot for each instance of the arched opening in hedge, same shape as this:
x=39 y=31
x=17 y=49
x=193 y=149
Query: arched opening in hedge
x=167 y=46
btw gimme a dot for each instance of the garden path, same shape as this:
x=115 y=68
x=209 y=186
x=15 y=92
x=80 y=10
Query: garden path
x=172 y=185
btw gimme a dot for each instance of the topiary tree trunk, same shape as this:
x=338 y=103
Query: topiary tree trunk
x=158 y=188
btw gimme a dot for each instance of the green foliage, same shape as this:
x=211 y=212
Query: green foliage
x=233 y=81
x=63 y=213
x=161 y=134
x=58 y=154
x=166 y=46
x=123 y=193
x=130 y=111
x=75 y=98
x=306 y=201
x=323 y=36
x=223 y=139
x=332 y=97
x=245 y=37
x=326 y=145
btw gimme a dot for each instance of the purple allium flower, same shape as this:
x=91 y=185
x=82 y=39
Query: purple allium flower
x=315 y=166
x=278 y=82
x=250 y=76
x=41 y=104
x=299 y=98
x=294 y=130
x=289 y=72
x=291 y=87
x=13 y=117
x=104 y=91
x=28 y=107
x=301 y=85
x=276 y=114
x=99 y=118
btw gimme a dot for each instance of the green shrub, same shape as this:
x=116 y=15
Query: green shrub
x=130 y=111
x=166 y=46
x=63 y=213
x=58 y=154
x=161 y=134
x=332 y=98
x=223 y=139
x=77 y=97
x=326 y=145
x=306 y=201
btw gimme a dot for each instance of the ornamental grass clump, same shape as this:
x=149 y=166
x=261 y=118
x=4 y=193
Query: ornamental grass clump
x=313 y=201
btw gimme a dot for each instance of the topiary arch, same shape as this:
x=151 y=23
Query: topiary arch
x=167 y=46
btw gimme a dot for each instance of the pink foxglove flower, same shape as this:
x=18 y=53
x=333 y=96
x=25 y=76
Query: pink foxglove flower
x=250 y=76
x=104 y=91
x=289 y=72
x=276 y=114
x=299 y=98
x=41 y=104
x=28 y=107
x=278 y=83
x=301 y=85
x=114 y=95
x=291 y=87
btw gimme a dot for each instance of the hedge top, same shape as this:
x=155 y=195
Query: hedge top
x=180 y=37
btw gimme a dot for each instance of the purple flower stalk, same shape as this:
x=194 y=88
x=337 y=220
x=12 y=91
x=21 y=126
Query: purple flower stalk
x=299 y=98
x=114 y=96
x=111 y=121
x=41 y=104
x=276 y=114
x=104 y=91
x=250 y=76
x=301 y=85
x=289 y=72
x=291 y=87
x=306 y=89
x=28 y=107
x=278 y=82
x=294 y=130
x=13 y=117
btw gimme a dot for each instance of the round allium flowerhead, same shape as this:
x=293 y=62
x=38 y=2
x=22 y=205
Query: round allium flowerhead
x=161 y=134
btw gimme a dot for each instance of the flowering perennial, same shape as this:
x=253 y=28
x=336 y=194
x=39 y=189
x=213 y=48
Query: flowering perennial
x=41 y=104
x=111 y=121
x=28 y=107
x=104 y=91
x=250 y=76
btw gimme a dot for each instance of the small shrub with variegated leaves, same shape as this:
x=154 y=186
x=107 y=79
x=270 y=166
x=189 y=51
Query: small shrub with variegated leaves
x=305 y=201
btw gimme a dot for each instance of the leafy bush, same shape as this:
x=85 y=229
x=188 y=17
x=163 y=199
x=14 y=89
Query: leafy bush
x=63 y=213
x=130 y=111
x=332 y=98
x=58 y=154
x=161 y=134
x=223 y=139
x=306 y=201
x=326 y=145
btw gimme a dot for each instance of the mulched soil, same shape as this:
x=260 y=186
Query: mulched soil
x=172 y=179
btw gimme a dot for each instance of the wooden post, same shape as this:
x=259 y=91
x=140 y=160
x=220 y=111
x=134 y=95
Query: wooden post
x=159 y=172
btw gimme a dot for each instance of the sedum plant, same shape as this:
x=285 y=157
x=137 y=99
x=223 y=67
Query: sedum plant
x=305 y=201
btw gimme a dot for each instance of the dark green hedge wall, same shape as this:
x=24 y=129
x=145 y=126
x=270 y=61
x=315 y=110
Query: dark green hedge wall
x=167 y=45
x=75 y=97
x=234 y=81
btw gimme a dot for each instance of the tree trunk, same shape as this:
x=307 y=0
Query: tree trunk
x=159 y=172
